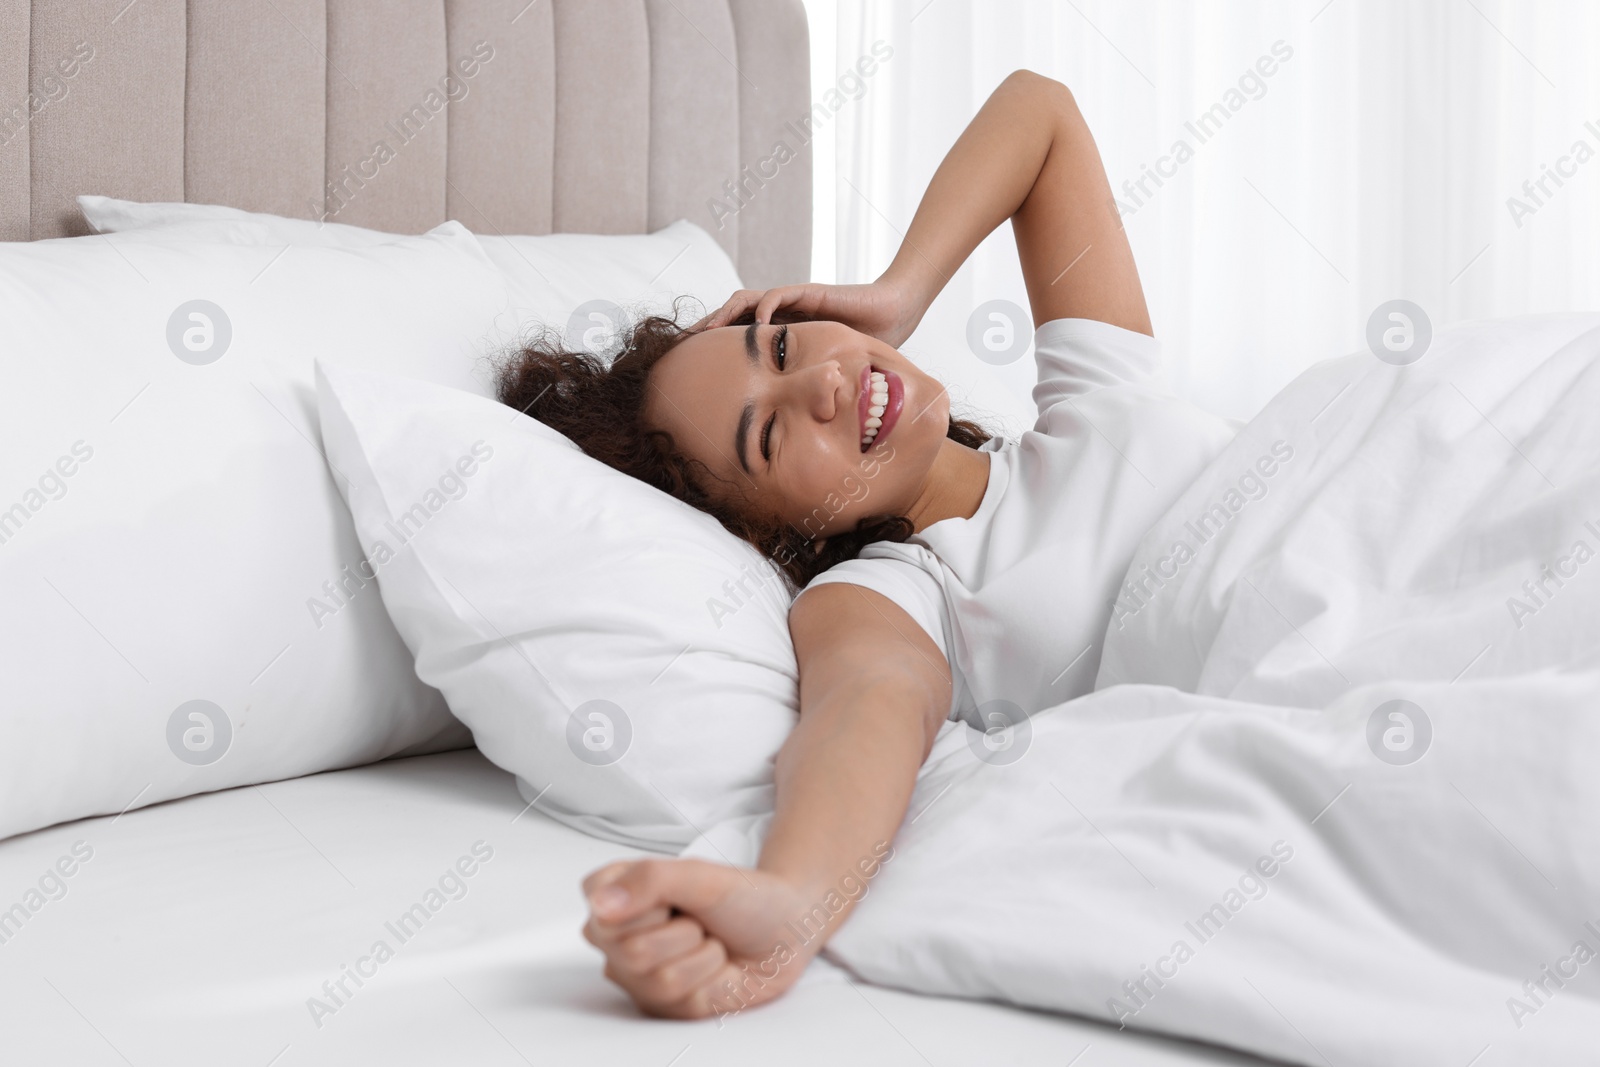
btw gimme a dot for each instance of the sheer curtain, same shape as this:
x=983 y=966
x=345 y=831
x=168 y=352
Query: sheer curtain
x=1336 y=154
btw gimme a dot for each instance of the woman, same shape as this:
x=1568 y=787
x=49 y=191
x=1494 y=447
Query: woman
x=920 y=541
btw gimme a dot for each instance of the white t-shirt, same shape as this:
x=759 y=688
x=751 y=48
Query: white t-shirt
x=1018 y=597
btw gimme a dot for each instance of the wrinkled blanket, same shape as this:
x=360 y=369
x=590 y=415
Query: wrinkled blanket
x=1336 y=797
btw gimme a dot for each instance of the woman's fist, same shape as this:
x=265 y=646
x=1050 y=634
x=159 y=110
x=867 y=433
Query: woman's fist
x=687 y=939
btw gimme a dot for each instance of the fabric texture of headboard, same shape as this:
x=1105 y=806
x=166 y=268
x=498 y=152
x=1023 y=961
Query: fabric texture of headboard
x=595 y=116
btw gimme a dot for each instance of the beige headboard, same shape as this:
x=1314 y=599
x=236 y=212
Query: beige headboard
x=598 y=116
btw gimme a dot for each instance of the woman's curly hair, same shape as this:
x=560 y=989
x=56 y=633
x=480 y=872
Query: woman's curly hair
x=599 y=404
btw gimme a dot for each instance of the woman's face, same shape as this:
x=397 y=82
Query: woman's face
x=777 y=414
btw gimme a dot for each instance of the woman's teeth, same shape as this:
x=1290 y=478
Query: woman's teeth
x=880 y=400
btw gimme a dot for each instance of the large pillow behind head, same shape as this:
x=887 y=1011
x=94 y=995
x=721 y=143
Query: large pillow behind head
x=106 y=214
x=620 y=652
x=184 y=609
x=586 y=284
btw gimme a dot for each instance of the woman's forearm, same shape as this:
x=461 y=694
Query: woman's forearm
x=984 y=179
x=844 y=779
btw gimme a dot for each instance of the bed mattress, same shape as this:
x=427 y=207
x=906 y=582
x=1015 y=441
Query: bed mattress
x=411 y=911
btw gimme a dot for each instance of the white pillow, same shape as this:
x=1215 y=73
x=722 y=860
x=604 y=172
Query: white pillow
x=167 y=524
x=619 y=651
x=586 y=284
x=106 y=214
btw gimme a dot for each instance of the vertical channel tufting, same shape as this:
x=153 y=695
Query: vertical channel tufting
x=774 y=203
x=255 y=100
x=503 y=117
x=694 y=115
x=600 y=116
x=15 y=113
x=602 y=150
x=387 y=114
x=116 y=125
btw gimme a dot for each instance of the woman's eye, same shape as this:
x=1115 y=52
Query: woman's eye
x=780 y=356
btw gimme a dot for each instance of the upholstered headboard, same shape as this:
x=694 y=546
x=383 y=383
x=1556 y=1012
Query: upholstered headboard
x=599 y=116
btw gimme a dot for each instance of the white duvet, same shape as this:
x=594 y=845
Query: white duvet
x=1336 y=798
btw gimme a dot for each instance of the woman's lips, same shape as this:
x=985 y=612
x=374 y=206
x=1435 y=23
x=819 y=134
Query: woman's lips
x=891 y=410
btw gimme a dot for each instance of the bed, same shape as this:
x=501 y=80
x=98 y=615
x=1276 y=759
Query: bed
x=201 y=930
x=239 y=926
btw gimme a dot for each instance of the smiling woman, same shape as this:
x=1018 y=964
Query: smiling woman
x=761 y=426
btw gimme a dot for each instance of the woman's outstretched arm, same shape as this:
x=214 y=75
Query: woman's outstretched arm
x=874 y=690
x=1027 y=156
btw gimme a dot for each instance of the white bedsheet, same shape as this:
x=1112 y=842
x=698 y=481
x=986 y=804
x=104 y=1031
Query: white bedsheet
x=197 y=931
x=1404 y=911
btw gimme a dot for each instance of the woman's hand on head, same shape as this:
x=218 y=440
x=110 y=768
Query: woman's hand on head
x=688 y=939
x=878 y=309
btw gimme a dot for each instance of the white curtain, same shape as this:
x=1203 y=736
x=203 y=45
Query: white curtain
x=1383 y=157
